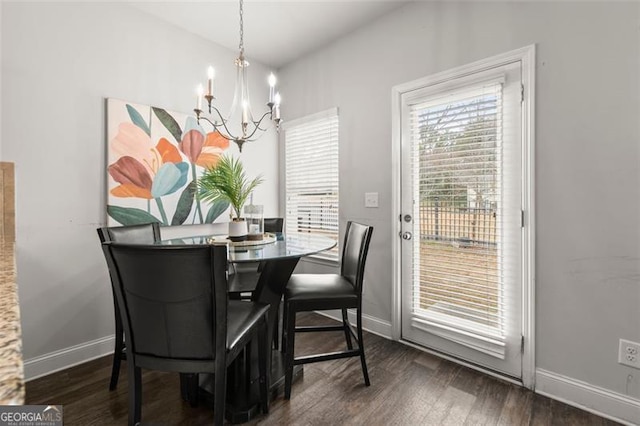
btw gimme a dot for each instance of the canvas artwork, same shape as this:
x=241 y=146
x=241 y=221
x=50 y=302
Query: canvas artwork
x=153 y=162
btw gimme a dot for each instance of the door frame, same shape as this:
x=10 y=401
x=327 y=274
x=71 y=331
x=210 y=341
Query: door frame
x=526 y=55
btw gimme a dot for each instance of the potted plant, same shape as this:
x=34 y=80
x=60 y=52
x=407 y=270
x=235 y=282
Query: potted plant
x=227 y=181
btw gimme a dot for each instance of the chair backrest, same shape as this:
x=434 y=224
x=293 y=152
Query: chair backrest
x=273 y=224
x=354 y=253
x=170 y=310
x=147 y=233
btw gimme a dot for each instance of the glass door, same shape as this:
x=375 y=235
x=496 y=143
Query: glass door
x=461 y=186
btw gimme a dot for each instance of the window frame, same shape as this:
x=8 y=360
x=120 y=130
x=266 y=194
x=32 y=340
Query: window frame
x=330 y=113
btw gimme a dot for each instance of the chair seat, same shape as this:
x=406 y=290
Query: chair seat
x=242 y=316
x=321 y=291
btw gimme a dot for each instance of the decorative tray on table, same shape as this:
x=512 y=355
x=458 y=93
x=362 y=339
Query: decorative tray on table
x=267 y=238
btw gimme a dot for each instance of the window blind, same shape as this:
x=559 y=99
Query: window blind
x=311 y=177
x=458 y=164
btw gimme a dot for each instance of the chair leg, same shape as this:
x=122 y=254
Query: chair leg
x=347 y=332
x=276 y=329
x=289 y=350
x=189 y=389
x=285 y=314
x=117 y=351
x=220 y=391
x=117 y=359
x=135 y=394
x=365 y=372
x=263 y=356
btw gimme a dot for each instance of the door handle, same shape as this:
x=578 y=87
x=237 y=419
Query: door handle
x=406 y=235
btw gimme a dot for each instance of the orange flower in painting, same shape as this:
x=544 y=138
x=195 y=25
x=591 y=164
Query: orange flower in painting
x=203 y=151
x=142 y=169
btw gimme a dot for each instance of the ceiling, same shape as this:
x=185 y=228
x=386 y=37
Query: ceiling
x=275 y=33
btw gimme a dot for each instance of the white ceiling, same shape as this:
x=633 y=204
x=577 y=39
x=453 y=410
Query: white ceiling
x=275 y=33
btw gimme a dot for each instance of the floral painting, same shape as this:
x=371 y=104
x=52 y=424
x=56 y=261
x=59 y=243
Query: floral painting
x=153 y=162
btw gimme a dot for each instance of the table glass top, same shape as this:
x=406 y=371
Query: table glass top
x=285 y=246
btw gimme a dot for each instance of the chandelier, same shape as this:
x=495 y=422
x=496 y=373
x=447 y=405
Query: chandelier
x=239 y=126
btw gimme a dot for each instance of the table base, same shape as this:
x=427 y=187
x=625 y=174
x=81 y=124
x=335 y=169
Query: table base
x=243 y=404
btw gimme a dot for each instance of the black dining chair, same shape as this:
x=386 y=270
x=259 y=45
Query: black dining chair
x=319 y=292
x=177 y=316
x=133 y=234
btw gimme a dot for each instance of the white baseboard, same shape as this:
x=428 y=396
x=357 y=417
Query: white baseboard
x=59 y=360
x=585 y=396
x=371 y=324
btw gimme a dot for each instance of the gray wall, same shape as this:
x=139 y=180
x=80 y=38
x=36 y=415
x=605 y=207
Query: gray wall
x=587 y=159
x=59 y=62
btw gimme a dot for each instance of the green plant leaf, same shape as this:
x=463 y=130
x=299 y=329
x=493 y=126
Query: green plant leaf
x=217 y=208
x=130 y=215
x=169 y=122
x=227 y=181
x=137 y=119
x=184 y=204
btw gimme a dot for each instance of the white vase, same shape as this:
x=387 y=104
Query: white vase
x=238 y=230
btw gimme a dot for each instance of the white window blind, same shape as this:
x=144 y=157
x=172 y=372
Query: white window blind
x=311 y=180
x=458 y=161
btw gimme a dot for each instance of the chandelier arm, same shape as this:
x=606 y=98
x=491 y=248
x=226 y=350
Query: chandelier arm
x=257 y=125
x=259 y=122
x=216 y=127
x=228 y=134
x=207 y=120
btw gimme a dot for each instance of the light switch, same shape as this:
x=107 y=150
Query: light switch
x=371 y=199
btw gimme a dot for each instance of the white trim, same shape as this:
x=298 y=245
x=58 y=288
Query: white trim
x=467 y=69
x=526 y=55
x=371 y=324
x=396 y=212
x=489 y=346
x=62 y=359
x=463 y=362
x=528 y=59
x=594 y=399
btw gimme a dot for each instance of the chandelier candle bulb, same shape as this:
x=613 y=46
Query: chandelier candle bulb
x=211 y=73
x=276 y=107
x=199 y=92
x=245 y=112
x=272 y=87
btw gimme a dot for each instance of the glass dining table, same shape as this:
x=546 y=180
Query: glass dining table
x=279 y=254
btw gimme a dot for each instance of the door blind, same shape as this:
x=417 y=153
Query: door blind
x=458 y=165
x=311 y=164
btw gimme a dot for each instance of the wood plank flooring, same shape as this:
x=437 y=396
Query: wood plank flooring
x=408 y=387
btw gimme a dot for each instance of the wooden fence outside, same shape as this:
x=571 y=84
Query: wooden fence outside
x=463 y=225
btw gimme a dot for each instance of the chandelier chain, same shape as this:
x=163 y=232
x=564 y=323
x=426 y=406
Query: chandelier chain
x=250 y=129
x=241 y=46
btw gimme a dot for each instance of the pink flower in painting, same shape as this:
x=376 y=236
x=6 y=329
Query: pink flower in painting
x=203 y=151
x=142 y=169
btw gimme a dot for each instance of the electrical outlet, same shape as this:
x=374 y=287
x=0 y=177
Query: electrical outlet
x=629 y=353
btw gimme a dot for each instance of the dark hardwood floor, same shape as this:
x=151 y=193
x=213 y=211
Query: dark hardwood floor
x=408 y=387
